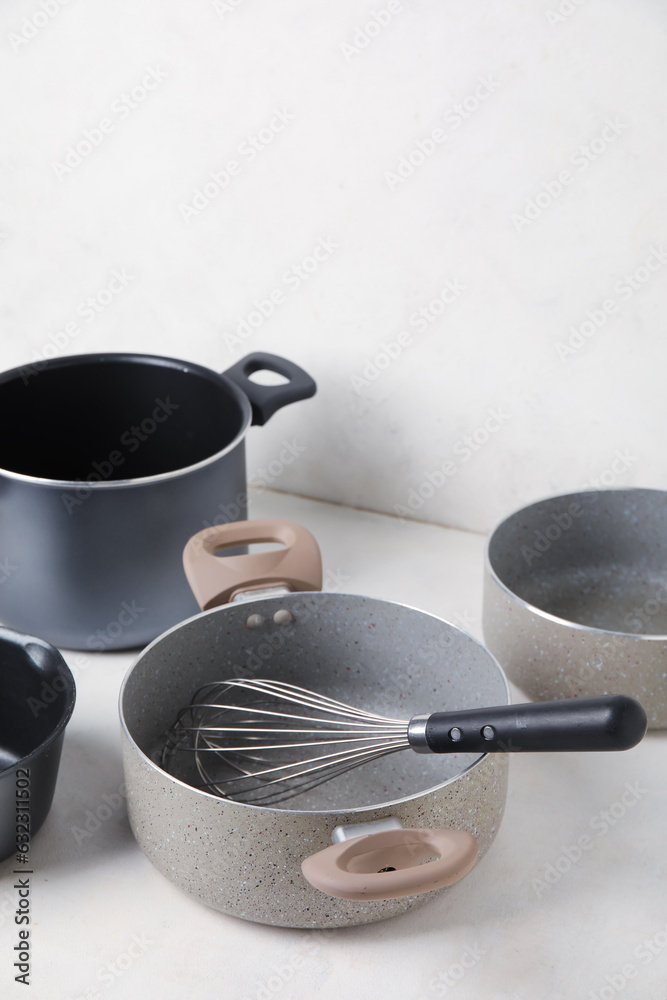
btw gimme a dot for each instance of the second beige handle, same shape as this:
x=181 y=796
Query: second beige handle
x=215 y=580
x=392 y=863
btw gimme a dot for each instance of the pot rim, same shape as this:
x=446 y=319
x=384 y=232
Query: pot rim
x=547 y=615
x=189 y=367
x=63 y=671
x=343 y=810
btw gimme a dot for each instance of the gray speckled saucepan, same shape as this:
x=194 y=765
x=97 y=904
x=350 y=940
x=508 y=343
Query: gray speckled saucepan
x=246 y=859
x=575 y=597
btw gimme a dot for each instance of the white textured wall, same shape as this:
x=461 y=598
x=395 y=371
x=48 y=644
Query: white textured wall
x=487 y=363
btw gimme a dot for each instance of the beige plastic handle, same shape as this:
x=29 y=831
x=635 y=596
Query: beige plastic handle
x=216 y=580
x=354 y=869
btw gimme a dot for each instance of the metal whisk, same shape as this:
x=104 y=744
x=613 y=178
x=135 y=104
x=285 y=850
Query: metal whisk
x=263 y=741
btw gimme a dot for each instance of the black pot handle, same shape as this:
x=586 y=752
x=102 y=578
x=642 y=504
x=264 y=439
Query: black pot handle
x=609 y=722
x=266 y=399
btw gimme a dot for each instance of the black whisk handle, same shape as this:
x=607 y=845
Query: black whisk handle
x=609 y=722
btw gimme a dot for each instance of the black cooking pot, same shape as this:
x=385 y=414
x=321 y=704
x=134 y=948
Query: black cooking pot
x=108 y=464
x=37 y=701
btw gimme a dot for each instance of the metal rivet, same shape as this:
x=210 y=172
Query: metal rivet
x=455 y=734
x=254 y=621
x=488 y=732
x=282 y=617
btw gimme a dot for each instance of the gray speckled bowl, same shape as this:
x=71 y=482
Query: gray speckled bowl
x=245 y=860
x=575 y=597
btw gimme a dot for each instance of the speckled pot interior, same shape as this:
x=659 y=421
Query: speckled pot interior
x=575 y=597
x=244 y=859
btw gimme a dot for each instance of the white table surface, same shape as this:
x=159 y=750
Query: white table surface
x=108 y=925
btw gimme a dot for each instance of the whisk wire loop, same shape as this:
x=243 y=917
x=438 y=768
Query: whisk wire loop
x=257 y=747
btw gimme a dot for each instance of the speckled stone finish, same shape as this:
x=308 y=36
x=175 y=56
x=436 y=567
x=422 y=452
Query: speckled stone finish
x=246 y=860
x=575 y=597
